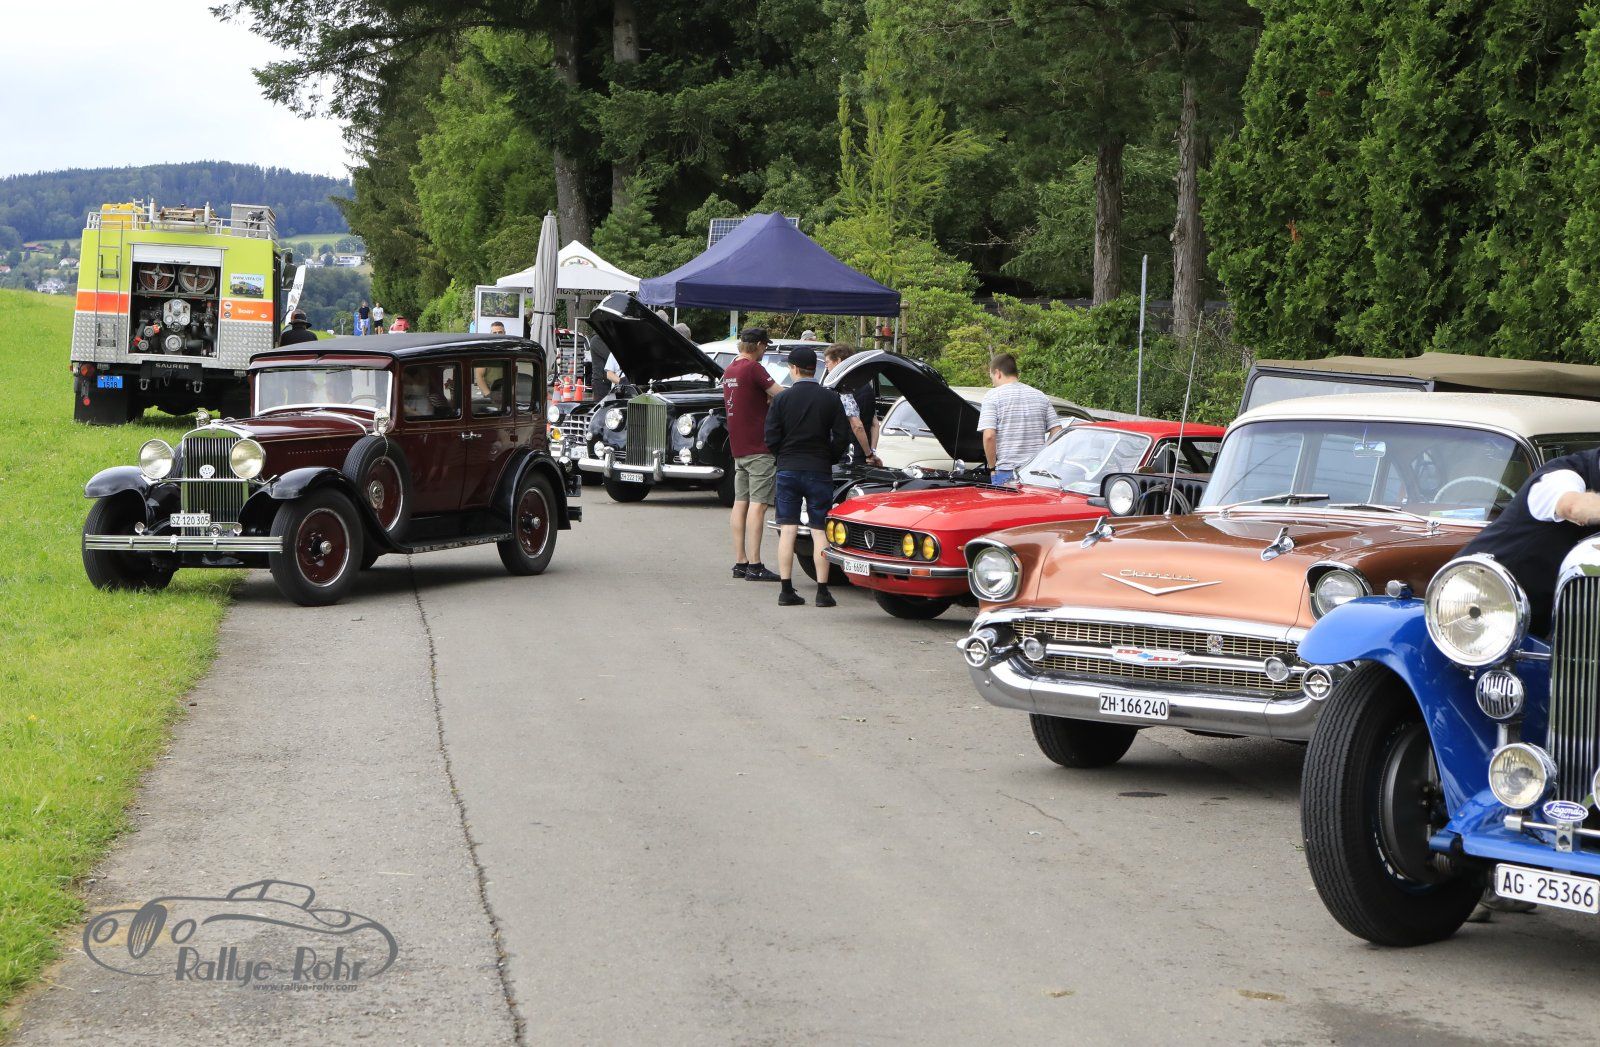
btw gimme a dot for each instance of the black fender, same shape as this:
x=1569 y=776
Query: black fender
x=261 y=506
x=115 y=480
x=711 y=438
x=529 y=461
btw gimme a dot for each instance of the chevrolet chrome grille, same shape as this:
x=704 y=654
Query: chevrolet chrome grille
x=1187 y=658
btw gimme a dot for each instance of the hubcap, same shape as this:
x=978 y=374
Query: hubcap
x=533 y=516
x=322 y=547
x=1410 y=805
x=383 y=492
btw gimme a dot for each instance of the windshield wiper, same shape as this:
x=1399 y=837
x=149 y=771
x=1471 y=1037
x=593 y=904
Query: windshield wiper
x=1375 y=507
x=1052 y=477
x=1285 y=498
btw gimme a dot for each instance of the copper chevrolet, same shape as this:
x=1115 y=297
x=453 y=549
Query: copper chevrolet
x=1192 y=621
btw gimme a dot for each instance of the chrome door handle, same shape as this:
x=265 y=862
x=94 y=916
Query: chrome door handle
x=471 y=436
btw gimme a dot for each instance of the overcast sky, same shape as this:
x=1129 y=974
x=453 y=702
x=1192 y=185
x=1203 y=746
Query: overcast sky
x=112 y=83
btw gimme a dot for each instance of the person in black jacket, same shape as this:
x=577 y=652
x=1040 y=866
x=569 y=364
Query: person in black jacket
x=808 y=432
x=299 y=330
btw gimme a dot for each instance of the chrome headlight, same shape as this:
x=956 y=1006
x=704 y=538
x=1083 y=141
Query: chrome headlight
x=614 y=418
x=155 y=459
x=913 y=471
x=1120 y=496
x=994 y=574
x=552 y=414
x=1336 y=588
x=1476 y=612
x=685 y=425
x=1520 y=774
x=246 y=459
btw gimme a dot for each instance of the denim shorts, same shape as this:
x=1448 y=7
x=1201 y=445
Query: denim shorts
x=795 y=486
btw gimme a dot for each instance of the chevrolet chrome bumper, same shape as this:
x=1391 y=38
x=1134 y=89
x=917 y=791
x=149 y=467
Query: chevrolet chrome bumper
x=658 y=470
x=179 y=543
x=1007 y=679
x=893 y=569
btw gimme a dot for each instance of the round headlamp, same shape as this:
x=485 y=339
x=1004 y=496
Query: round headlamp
x=614 y=418
x=1335 y=588
x=908 y=545
x=1121 y=493
x=994 y=574
x=685 y=425
x=930 y=547
x=246 y=459
x=1476 y=612
x=552 y=414
x=155 y=459
x=1520 y=774
x=1033 y=648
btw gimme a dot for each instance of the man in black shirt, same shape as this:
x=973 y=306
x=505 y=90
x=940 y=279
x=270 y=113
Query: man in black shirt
x=808 y=432
x=299 y=330
x=1556 y=509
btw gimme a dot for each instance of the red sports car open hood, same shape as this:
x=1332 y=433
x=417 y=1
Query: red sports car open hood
x=979 y=508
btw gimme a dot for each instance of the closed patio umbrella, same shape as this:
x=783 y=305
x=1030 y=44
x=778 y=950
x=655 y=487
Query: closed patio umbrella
x=543 y=305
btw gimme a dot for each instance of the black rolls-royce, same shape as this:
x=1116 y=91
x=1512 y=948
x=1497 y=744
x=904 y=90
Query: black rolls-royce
x=671 y=426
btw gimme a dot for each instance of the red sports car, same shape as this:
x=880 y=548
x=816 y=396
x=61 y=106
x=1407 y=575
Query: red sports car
x=906 y=546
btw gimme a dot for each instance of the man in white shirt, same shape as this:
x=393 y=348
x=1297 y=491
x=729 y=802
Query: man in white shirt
x=377 y=317
x=1556 y=509
x=1016 y=419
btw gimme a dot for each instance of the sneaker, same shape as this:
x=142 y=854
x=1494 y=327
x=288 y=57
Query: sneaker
x=790 y=598
x=739 y=569
x=758 y=573
x=825 y=598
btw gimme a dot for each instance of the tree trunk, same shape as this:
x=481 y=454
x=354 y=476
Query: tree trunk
x=1108 y=220
x=572 y=210
x=624 y=52
x=1188 y=235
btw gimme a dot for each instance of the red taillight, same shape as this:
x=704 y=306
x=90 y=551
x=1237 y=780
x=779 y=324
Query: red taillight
x=84 y=370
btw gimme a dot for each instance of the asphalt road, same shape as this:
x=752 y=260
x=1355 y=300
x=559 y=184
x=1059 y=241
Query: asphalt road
x=633 y=800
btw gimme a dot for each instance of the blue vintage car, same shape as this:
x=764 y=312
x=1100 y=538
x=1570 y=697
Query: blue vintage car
x=1456 y=750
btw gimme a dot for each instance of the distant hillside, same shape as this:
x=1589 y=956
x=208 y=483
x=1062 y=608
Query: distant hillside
x=51 y=205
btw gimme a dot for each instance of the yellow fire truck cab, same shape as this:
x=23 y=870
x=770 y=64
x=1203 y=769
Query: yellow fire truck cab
x=172 y=304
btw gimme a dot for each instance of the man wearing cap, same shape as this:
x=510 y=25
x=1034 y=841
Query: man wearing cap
x=747 y=390
x=807 y=432
x=299 y=330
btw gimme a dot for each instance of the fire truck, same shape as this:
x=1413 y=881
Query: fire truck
x=172 y=304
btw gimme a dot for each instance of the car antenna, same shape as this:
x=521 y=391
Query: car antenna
x=1183 y=421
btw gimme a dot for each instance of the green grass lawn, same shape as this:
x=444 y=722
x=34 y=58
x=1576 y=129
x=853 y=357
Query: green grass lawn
x=89 y=681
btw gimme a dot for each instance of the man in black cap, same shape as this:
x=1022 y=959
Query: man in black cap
x=299 y=330
x=808 y=432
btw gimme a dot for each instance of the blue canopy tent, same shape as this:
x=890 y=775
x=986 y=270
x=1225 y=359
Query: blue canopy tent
x=766 y=264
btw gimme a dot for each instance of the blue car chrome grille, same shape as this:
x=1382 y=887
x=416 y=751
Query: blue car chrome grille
x=1573 y=739
x=220 y=493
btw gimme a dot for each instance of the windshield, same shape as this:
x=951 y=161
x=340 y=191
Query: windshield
x=1433 y=470
x=905 y=419
x=322 y=387
x=1082 y=456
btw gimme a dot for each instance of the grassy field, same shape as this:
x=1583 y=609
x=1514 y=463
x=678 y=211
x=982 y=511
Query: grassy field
x=89 y=681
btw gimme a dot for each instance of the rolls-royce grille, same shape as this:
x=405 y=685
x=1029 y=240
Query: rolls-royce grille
x=647 y=430
x=884 y=541
x=1108 y=636
x=1574 y=734
x=209 y=484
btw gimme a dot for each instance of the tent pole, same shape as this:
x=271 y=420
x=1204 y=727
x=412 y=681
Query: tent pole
x=896 y=342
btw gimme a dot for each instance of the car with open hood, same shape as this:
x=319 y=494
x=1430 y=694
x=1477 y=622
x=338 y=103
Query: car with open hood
x=1194 y=620
x=906 y=546
x=932 y=444
x=672 y=427
x=355 y=447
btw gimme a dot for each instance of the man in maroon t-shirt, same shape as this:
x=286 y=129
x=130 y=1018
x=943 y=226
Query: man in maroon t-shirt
x=747 y=388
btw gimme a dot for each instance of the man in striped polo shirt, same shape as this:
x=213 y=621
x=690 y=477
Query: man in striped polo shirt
x=1016 y=419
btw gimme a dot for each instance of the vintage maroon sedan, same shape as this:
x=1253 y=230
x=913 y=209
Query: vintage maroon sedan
x=906 y=546
x=357 y=447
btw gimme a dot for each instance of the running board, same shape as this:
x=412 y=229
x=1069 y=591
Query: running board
x=451 y=543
